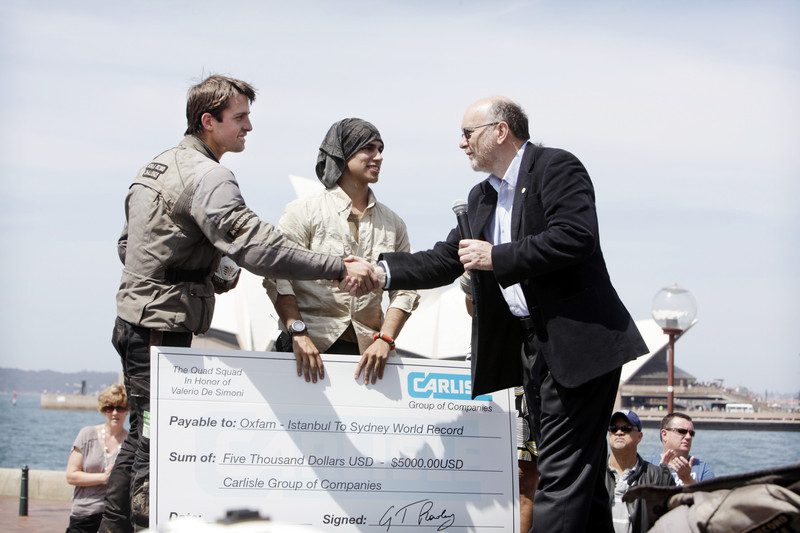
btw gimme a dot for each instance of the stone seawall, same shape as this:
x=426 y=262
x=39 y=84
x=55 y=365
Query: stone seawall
x=42 y=484
x=68 y=401
x=759 y=421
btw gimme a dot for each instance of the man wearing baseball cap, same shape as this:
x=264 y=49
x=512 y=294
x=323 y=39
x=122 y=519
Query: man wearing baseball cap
x=626 y=468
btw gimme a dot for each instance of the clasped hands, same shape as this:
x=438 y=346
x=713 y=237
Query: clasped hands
x=361 y=277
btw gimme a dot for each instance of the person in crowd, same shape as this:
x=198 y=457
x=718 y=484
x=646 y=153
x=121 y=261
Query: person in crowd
x=344 y=219
x=184 y=212
x=541 y=290
x=526 y=447
x=92 y=457
x=677 y=435
x=626 y=468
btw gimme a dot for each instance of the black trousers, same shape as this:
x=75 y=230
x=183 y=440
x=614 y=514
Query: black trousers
x=84 y=524
x=569 y=426
x=284 y=344
x=128 y=490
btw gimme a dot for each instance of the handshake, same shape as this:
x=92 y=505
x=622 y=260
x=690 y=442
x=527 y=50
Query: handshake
x=361 y=277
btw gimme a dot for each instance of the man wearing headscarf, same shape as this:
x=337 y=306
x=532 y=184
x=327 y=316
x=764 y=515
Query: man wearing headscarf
x=344 y=218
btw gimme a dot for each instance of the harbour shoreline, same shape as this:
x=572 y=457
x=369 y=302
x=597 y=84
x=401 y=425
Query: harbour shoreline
x=759 y=421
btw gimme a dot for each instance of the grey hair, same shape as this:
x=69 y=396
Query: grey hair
x=512 y=114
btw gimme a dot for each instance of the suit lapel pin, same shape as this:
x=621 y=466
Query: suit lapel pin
x=523 y=190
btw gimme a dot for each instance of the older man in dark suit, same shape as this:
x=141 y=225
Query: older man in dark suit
x=546 y=314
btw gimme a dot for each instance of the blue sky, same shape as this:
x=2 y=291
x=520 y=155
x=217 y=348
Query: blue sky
x=687 y=118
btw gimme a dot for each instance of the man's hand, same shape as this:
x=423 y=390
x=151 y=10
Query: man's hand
x=360 y=278
x=306 y=355
x=475 y=254
x=381 y=274
x=666 y=457
x=372 y=362
x=681 y=465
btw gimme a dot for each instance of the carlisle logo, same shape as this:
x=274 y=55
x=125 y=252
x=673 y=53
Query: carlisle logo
x=442 y=386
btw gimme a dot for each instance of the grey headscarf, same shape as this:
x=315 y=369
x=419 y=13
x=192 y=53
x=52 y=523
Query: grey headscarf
x=342 y=141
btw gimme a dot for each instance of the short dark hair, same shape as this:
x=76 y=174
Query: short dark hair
x=512 y=114
x=212 y=95
x=667 y=419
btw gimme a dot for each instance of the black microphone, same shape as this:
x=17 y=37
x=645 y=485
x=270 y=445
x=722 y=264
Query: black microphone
x=460 y=209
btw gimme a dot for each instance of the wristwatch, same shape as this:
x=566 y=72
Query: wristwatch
x=297 y=327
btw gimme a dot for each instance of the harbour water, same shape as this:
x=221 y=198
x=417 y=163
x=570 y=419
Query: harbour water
x=42 y=439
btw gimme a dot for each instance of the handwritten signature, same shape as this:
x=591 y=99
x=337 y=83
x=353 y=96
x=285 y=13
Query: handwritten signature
x=420 y=512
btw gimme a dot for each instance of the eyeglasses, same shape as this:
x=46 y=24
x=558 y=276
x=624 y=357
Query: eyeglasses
x=118 y=408
x=467 y=132
x=624 y=429
x=681 y=431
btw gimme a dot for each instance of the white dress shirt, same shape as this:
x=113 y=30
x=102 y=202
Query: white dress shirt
x=499 y=229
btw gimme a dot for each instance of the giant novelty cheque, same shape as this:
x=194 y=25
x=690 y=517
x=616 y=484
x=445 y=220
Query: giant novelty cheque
x=413 y=452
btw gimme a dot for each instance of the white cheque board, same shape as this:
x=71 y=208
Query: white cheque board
x=232 y=430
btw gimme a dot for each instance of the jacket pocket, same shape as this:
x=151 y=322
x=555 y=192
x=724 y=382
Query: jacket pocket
x=198 y=303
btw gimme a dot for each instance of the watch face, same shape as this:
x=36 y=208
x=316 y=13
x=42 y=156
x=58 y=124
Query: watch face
x=298 y=326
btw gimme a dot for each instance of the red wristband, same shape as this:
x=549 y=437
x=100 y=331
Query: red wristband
x=385 y=338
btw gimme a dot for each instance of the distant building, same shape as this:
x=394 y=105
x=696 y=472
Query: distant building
x=643 y=381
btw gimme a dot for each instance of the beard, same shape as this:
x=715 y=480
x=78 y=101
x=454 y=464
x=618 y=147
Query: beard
x=481 y=156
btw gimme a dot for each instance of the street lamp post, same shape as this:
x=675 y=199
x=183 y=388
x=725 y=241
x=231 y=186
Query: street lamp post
x=674 y=309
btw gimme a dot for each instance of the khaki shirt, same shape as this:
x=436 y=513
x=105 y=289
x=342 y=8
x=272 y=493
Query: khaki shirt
x=319 y=223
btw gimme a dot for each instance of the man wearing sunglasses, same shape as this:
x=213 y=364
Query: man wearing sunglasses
x=546 y=314
x=677 y=434
x=626 y=468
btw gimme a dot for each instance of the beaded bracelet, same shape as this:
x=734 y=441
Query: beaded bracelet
x=385 y=338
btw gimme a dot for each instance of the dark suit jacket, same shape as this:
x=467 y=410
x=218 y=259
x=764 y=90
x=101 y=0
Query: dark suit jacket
x=582 y=328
